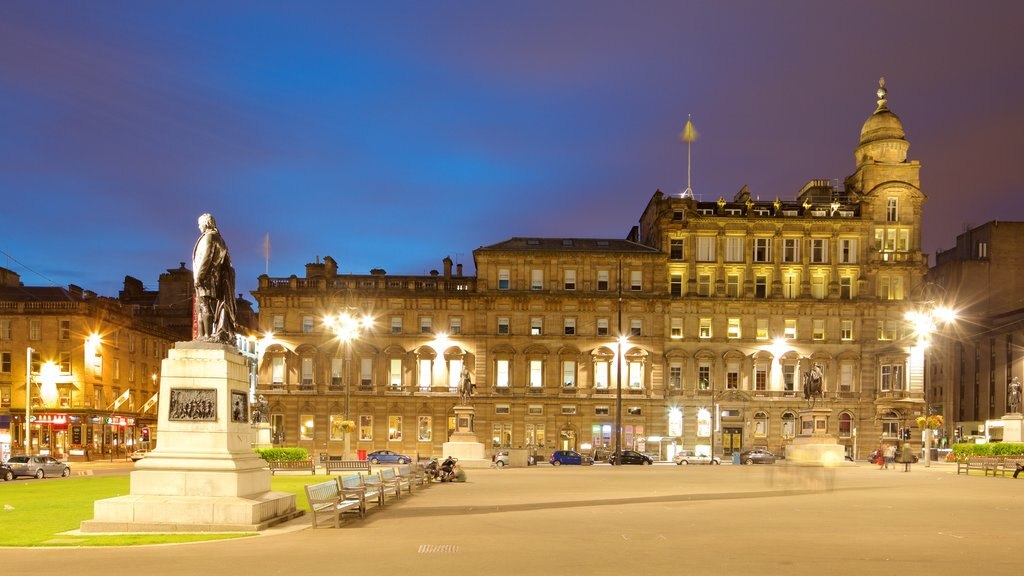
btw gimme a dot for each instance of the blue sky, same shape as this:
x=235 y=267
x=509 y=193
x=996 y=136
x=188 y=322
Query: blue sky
x=393 y=135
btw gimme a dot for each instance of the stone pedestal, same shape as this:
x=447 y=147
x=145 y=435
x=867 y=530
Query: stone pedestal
x=262 y=436
x=203 y=475
x=463 y=443
x=814 y=446
x=1013 y=427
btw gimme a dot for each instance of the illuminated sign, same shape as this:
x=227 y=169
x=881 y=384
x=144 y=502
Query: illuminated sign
x=119 y=421
x=52 y=419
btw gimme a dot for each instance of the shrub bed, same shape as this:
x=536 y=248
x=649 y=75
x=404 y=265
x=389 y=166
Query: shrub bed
x=962 y=452
x=279 y=454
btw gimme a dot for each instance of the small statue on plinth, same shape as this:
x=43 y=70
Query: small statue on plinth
x=1013 y=396
x=466 y=386
x=813 y=384
x=214 y=279
x=259 y=410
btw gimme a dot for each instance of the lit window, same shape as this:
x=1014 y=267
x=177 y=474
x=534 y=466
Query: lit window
x=677 y=328
x=636 y=327
x=733 y=328
x=426 y=325
x=570 y=279
x=846 y=330
x=790 y=330
x=819 y=251
x=705 y=328
x=602 y=326
x=536 y=326
x=734 y=249
x=455 y=325
x=536 y=280
x=501 y=374
x=762 y=329
x=569 y=374
x=706 y=248
x=536 y=373
x=818 y=332
x=848 y=251
x=635 y=280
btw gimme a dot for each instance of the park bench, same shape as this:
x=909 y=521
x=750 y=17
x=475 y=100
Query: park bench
x=327 y=498
x=353 y=487
x=1007 y=465
x=377 y=482
x=985 y=464
x=417 y=475
x=347 y=466
x=403 y=482
x=292 y=466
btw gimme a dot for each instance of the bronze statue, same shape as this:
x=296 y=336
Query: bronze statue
x=466 y=387
x=1013 y=398
x=214 y=284
x=260 y=409
x=813 y=385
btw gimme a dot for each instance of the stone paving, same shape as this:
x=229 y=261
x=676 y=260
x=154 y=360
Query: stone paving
x=641 y=520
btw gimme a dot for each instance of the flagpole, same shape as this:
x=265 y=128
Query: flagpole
x=689 y=135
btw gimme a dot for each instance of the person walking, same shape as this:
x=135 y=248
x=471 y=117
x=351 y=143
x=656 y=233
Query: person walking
x=906 y=456
x=890 y=456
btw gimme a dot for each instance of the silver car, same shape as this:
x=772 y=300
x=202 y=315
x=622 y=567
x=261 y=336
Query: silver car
x=38 y=466
x=689 y=457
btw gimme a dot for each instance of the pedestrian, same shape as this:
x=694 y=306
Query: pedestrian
x=906 y=456
x=890 y=456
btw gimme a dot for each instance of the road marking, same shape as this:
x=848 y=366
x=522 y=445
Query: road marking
x=437 y=549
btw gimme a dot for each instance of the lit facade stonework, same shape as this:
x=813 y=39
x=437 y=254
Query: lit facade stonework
x=723 y=305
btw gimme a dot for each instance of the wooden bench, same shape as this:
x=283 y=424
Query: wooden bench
x=1007 y=466
x=353 y=487
x=985 y=464
x=327 y=498
x=292 y=466
x=402 y=482
x=416 y=475
x=347 y=466
x=377 y=482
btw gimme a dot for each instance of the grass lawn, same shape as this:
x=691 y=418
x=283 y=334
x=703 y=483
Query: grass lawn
x=34 y=513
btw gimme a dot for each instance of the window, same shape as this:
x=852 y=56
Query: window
x=675 y=376
x=395 y=373
x=762 y=249
x=426 y=373
x=789 y=377
x=789 y=333
x=394 y=428
x=602 y=280
x=705 y=328
x=887 y=330
x=982 y=250
x=455 y=325
x=790 y=250
x=601 y=375
x=818 y=287
x=35 y=329
x=760 y=377
x=704 y=377
x=733 y=330
x=277 y=326
x=601 y=411
x=819 y=251
x=791 y=286
x=501 y=374
x=846 y=288
x=762 y=329
x=503 y=326
x=568 y=409
x=535 y=410
x=306 y=427
x=734 y=249
x=845 y=425
x=732 y=285
x=64 y=329
x=536 y=373
x=890 y=287
x=846 y=377
x=307 y=324
x=704 y=285
x=788 y=425
x=760 y=424
x=503 y=281
x=426 y=325
x=677 y=215
x=675 y=249
x=366 y=372
x=502 y=409
x=5 y=362
x=732 y=376
x=5 y=329
x=602 y=326
x=570 y=280
x=675 y=285
x=634 y=411
x=847 y=250
x=536 y=326
x=536 y=279
x=676 y=330
x=425 y=429
x=307 y=371
x=846 y=330
x=636 y=280
x=636 y=327
x=760 y=286
x=569 y=374
x=705 y=248
x=818 y=329
x=569 y=327
x=636 y=375
x=365 y=427
x=277 y=371
x=892 y=377
x=892 y=210
x=335 y=429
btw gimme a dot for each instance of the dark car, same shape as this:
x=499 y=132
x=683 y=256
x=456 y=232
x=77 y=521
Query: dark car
x=757 y=456
x=560 y=457
x=6 y=473
x=38 y=466
x=387 y=457
x=630 y=457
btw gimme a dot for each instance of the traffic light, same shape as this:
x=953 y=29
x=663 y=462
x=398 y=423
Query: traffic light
x=906 y=433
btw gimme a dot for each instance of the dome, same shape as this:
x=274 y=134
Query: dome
x=882 y=125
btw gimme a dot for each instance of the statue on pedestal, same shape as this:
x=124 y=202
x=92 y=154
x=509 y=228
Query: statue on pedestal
x=813 y=385
x=466 y=386
x=214 y=285
x=1013 y=396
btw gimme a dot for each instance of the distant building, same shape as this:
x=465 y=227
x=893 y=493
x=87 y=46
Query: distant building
x=724 y=305
x=974 y=359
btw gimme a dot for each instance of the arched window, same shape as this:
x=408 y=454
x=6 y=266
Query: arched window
x=845 y=425
x=788 y=426
x=760 y=425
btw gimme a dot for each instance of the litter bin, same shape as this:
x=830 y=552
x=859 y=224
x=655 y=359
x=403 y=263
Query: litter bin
x=361 y=454
x=323 y=457
x=735 y=457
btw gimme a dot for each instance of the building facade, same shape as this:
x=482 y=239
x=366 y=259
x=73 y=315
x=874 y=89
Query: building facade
x=707 y=317
x=970 y=365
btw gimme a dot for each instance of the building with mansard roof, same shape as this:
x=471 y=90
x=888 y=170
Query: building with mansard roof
x=704 y=320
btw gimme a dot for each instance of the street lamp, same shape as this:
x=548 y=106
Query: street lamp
x=618 y=400
x=48 y=394
x=926 y=322
x=347 y=328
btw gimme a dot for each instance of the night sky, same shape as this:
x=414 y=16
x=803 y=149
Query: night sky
x=390 y=135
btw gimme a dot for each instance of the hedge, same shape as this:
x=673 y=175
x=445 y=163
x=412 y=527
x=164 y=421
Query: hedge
x=964 y=451
x=279 y=454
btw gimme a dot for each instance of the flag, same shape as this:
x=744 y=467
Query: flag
x=149 y=403
x=122 y=399
x=689 y=132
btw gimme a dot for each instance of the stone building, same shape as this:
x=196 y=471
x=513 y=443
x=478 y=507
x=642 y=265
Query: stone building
x=972 y=361
x=723 y=307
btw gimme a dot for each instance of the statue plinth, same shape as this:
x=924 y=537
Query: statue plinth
x=463 y=443
x=203 y=475
x=1013 y=427
x=814 y=446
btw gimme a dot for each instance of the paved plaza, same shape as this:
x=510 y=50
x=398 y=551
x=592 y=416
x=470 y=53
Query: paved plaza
x=630 y=520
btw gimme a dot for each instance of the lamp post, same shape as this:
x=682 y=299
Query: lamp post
x=28 y=400
x=346 y=328
x=925 y=323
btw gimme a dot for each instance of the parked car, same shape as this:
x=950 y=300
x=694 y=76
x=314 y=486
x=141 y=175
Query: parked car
x=689 y=457
x=38 y=466
x=387 y=457
x=5 y=472
x=629 y=457
x=500 y=459
x=560 y=457
x=138 y=455
x=757 y=456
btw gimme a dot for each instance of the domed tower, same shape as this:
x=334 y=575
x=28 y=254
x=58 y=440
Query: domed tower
x=881 y=137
